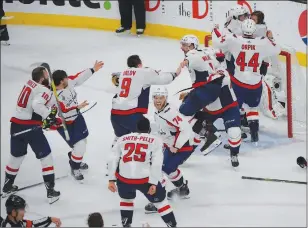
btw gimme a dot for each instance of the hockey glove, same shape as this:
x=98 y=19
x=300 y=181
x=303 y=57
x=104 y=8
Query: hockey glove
x=115 y=78
x=51 y=119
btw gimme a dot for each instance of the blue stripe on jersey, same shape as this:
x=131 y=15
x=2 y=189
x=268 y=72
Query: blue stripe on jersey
x=143 y=99
x=225 y=96
x=201 y=76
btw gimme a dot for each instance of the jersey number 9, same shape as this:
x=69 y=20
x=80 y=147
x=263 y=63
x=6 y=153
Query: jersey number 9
x=134 y=152
x=125 y=86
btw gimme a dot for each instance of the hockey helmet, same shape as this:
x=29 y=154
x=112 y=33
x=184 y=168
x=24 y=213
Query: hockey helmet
x=190 y=39
x=238 y=11
x=14 y=202
x=248 y=27
x=160 y=91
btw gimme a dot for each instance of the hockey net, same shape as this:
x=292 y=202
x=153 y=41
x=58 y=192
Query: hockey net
x=293 y=81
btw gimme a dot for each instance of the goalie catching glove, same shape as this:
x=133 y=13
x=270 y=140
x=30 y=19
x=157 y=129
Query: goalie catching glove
x=115 y=78
x=51 y=119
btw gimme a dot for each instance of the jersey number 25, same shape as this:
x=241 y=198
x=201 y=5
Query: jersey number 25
x=135 y=152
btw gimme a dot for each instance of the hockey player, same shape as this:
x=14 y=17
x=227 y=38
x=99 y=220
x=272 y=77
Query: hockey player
x=249 y=53
x=32 y=107
x=76 y=124
x=137 y=165
x=15 y=209
x=179 y=142
x=132 y=98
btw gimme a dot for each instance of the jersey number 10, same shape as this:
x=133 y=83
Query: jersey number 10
x=135 y=152
x=24 y=97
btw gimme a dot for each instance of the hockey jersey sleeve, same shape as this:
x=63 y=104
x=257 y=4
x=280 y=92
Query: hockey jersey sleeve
x=81 y=77
x=156 y=163
x=39 y=103
x=153 y=77
x=184 y=130
x=199 y=61
x=43 y=222
x=271 y=49
x=222 y=41
x=114 y=160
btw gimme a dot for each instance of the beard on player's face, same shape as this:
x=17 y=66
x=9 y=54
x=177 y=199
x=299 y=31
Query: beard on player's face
x=45 y=82
x=159 y=102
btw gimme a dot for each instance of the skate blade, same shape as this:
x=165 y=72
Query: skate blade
x=212 y=147
x=123 y=33
x=4 y=195
x=53 y=199
x=150 y=212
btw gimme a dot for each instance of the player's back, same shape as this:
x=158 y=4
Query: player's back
x=134 y=88
x=32 y=93
x=249 y=54
x=137 y=151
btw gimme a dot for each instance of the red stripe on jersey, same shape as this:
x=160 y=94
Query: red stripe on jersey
x=252 y=114
x=160 y=210
x=232 y=105
x=25 y=122
x=11 y=169
x=50 y=168
x=131 y=181
x=64 y=109
x=126 y=204
x=270 y=105
x=197 y=140
x=130 y=111
x=244 y=85
x=217 y=33
x=72 y=77
x=186 y=149
x=234 y=143
x=29 y=223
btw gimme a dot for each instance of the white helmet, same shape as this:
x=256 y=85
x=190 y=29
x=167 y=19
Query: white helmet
x=237 y=11
x=190 y=39
x=160 y=91
x=248 y=27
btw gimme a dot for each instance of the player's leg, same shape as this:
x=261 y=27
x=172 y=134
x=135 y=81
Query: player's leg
x=160 y=203
x=232 y=123
x=200 y=97
x=127 y=193
x=125 y=8
x=18 y=151
x=253 y=100
x=171 y=164
x=41 y=148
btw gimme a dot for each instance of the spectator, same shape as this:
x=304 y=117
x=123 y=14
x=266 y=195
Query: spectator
x=125 y=7
x=15 y=208
x=4 y=34
x=95 y=220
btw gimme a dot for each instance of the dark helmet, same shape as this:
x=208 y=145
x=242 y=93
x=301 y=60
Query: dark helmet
x=14 y=202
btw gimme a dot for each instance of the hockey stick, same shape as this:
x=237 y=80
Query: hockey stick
x=53 y=86
x=37 y=184
x=38 y=127
x=273 y=180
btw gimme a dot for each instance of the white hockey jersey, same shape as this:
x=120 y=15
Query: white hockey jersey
x=68 y=96
x=134 y=90
x=33 y=104
x=201 y=67
x=137 y=158
x=249 y=54
x=174 y=129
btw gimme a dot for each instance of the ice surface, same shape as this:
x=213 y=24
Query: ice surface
x=219 y=197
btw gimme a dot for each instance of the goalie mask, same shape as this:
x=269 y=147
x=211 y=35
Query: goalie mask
x=160 y=97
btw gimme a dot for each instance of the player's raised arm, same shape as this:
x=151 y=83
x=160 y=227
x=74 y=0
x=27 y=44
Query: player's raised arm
x=157 y=162
x=81 y=77
x=154 y=77
x=272 y=48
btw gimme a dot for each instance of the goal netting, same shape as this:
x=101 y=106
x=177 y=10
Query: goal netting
x=293 y=80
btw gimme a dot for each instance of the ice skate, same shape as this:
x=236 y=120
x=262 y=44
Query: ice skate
x=8 y=189
x=150 y=208
x=53 y=195
x=122 y=30
x=180 y=192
